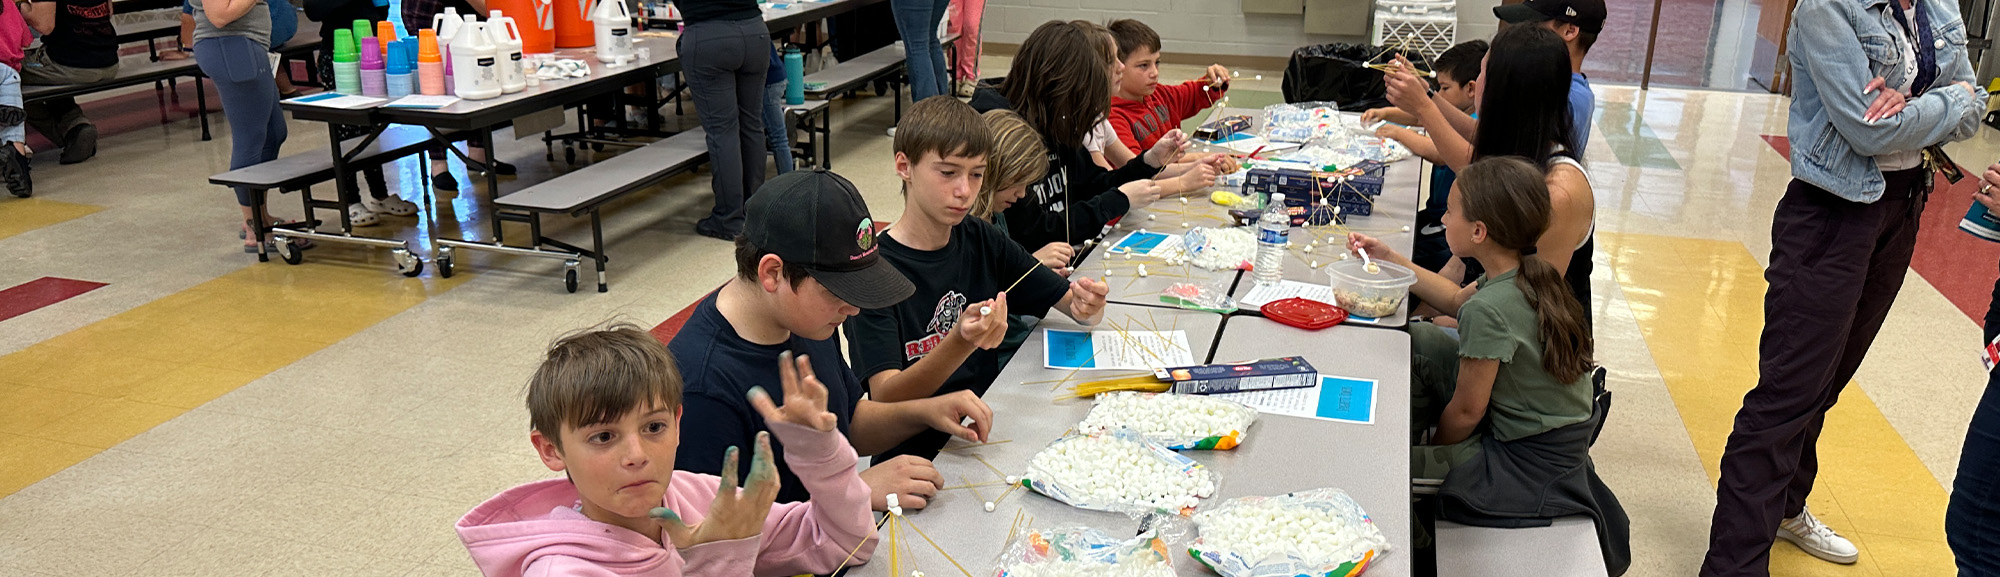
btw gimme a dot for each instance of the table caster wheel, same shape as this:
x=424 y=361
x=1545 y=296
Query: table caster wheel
x=569 y=155
x=443 y=261
x=407 y=263
x=287 y=251
x=597 y=146
x=569 y=275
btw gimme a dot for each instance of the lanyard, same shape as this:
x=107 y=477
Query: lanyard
x=1921 y=37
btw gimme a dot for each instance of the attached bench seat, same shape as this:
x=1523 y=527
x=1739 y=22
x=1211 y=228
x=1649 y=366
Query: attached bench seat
x=849 y=76
x=299 y=172
x=1566 y=548
x=582 y=192
x=137 y=69
x=818 y=125
x=302 y=170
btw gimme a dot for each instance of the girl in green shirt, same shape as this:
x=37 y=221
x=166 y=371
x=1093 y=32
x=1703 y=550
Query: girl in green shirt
x=1521 y=364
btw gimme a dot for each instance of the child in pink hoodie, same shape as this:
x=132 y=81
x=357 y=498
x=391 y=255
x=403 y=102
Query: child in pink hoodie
x=606 y=407
x=14 y=153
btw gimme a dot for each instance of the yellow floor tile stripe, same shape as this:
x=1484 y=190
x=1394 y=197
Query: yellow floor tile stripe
x=1700 y=305
x=25 y=214
x=67 y=398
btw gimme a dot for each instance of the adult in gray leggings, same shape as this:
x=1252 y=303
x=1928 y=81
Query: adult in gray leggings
x=725 y=52
x=231 y=38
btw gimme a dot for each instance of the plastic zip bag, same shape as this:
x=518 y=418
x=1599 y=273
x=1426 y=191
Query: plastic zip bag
x=1339 y=541
x=1181 y=430
x=1083 y=551
x=1111 y=481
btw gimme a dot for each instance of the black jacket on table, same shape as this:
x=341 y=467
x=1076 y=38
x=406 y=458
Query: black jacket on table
x=1073 y=178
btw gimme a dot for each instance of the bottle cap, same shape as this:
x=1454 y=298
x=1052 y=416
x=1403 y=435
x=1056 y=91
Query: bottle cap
x=427 y=46
x=371 y=55
x=343 y=46
x=399 y=60
x=363 y=29
x=386 y=31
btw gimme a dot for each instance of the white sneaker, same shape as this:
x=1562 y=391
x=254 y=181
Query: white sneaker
x=359 y=215
x=392 y=206
x=1818 y=539
x=892 y=132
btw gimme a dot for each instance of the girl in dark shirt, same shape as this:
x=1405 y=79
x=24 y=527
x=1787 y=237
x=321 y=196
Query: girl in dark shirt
x=1059 y=85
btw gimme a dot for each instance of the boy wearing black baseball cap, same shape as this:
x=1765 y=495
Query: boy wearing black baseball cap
x=807 y=260
x=1578 y=22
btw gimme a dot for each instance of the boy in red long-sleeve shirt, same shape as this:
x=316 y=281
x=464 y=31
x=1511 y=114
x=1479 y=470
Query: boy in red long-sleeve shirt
x=1142 y=110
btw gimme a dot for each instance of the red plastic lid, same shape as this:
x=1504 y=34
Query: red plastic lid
x=1304 y=313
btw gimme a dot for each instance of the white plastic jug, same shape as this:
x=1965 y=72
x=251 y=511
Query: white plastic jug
x=475 y=62
x=447 y=24
x=613 y=21
x=507 y=47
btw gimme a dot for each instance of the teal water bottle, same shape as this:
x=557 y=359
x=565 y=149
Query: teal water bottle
x=795 y=76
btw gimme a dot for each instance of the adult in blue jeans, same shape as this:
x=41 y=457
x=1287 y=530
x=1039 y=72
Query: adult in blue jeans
x=777 y=136
x=923 y=57
x=231 y=39
x=725 y=53
x=1972 y=520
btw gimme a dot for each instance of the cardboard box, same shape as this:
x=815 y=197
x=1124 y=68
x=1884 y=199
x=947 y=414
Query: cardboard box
x=1267 y=374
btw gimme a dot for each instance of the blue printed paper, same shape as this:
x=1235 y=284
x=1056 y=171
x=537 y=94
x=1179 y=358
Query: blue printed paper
x=1068 y=350
x=1139 y=242
x=1345 y=399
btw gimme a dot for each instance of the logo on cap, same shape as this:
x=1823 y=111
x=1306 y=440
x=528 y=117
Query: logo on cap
x=1569 y=11
x=864 y=238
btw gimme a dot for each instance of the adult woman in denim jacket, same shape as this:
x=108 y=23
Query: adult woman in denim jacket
x=1875 y=84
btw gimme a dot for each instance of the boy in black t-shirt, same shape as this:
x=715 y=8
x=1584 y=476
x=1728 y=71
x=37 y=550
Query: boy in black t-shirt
x=806 y=261
x=945 y=338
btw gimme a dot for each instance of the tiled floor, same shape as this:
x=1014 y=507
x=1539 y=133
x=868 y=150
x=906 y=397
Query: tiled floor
x=201 y=413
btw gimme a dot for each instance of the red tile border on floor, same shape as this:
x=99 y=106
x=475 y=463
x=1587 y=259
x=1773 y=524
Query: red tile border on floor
x=1779 y=143
x=1959 y=265
x=35 y=294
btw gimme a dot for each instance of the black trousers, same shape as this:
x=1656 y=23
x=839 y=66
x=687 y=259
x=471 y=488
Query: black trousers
x=1836 y=266
x=725 y=62
x=1972 y=521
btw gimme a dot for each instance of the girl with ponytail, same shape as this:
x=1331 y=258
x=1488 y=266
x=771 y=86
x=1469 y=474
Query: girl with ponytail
x=1521 y=364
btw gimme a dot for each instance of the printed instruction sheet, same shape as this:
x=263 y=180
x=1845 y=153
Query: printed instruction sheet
x=1135 y=350
x=1335 y=399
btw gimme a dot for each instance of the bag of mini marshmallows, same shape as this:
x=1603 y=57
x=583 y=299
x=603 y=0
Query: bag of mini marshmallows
x=1319 y=533
x=1118 y=472
x=1180 y=422
x=1081 y=552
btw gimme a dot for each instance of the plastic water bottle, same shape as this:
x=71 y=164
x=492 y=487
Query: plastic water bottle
x=1273 y=231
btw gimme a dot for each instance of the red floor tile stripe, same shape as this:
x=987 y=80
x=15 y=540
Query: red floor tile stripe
x=35 y=294
x=1959 y=265
x=1781 y=144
